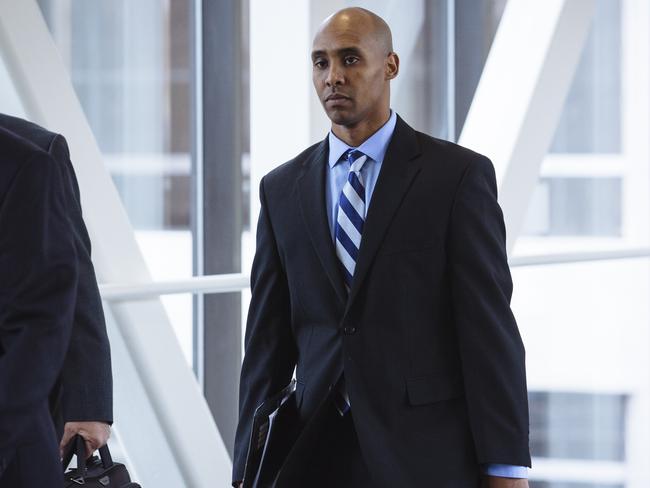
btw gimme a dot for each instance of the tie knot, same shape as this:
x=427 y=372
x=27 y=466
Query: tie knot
x=356 y=159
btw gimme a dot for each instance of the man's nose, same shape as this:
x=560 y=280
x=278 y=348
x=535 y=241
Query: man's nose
x=334 y=76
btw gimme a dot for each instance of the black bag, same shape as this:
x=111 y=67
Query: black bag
x=274 y=431
x=95 y=472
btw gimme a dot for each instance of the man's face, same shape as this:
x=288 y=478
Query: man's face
x=350 y=74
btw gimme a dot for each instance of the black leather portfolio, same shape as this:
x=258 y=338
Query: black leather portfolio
x=275 y=428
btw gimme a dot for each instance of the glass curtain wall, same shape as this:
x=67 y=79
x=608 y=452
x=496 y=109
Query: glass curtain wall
x=586 y=324
x=130 y=64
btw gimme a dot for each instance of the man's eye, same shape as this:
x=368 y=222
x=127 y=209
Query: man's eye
x=350 y=59
x=319 y=63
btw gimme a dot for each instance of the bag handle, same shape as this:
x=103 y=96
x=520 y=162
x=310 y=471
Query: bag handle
x=105 y=456
x=77 y=446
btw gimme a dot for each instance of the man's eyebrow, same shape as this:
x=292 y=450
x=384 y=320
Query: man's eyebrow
x=341 y=51
x=349 y=50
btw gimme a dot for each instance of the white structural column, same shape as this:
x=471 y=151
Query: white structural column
x=636 y=208
x=280 y=88
x=521 y=94
x=187 y=428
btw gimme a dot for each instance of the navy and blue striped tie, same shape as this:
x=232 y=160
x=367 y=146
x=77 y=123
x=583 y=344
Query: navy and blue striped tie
x=351 y=216
x=349 y=228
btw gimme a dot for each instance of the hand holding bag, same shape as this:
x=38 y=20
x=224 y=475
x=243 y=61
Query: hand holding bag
x=95 y=472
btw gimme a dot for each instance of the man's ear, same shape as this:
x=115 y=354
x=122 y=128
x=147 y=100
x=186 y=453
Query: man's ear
x=392 y=66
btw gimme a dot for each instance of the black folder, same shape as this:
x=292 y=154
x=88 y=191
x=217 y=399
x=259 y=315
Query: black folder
x=275 y=428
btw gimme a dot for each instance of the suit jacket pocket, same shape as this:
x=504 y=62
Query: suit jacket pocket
x=434 y=388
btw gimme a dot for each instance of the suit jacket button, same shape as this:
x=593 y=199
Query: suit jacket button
x=349 y=330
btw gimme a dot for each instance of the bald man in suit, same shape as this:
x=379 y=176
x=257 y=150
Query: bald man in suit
x=381 y=276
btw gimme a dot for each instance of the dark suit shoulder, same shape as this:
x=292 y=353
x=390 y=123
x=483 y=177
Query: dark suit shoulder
x=294 y=166
x=22 y=138
x=284 y=176
x=14 y=153
x=14 y=147
x=30 y=132
x=453 y=163
x=459 y=155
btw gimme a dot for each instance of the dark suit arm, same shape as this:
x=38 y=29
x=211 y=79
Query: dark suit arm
x=491 y=349
x=87 y=382
x=270 y=348
x=38 y=282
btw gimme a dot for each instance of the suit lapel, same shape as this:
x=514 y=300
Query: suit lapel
x=395 y=178
x=311 y=192
x=397 y=173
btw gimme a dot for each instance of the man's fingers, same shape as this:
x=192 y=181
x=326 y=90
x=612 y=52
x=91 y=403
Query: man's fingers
x=67 y=435
x=90 y=448
x=95 y=435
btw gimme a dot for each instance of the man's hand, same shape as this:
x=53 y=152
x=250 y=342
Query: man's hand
x=95 y=434
x=499 y=482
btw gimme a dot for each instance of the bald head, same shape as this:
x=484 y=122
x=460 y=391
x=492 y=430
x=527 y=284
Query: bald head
x=353 y=63
x=368 y=24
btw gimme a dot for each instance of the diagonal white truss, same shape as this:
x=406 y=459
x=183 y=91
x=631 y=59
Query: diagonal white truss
x=521 y=94
x=190 y=439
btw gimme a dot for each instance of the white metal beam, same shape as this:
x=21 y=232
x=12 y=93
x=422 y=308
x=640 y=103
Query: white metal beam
x=224 y=283
x=187 y=425
x=228 y=283
x=521 y=94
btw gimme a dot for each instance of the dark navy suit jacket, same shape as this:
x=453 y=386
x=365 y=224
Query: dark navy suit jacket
x=38 y=293
x=84 y=390
x=433 y=359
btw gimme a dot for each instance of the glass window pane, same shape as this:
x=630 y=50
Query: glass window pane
x=561 y=484
x=591 y=120
x=577 y=425
x=575 y=207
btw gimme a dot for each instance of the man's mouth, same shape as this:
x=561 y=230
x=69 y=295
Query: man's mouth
x=336 y=97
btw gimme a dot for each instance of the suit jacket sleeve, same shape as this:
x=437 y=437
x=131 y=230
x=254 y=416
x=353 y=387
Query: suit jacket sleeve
x=491 y=349
x=38 y=283
x=270 y=348
x=87 y=382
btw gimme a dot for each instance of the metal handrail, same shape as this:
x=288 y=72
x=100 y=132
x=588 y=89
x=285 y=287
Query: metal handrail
x=223 y=283
x=236 y=282
x=579 y=257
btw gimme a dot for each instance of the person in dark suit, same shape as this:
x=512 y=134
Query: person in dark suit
x=38 y=291
x=81 y=401
x=381 y=276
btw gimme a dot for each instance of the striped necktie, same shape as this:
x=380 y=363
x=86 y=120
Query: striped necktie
x=351 y=216
x=349 y=227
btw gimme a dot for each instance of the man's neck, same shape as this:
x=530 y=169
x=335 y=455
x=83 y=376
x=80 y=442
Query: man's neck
x=355 y=135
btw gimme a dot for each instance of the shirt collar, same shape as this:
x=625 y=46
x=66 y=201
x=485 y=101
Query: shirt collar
x=374 y=147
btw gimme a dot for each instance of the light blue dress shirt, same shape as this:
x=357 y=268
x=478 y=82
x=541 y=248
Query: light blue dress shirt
x=336 y=175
